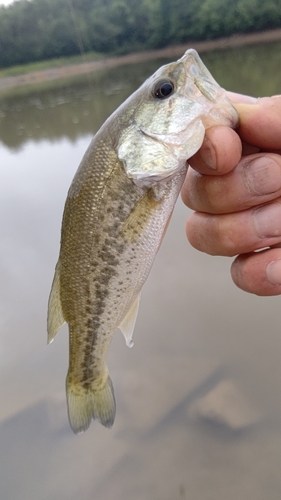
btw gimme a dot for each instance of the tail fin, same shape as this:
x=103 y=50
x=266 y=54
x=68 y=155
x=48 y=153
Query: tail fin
x=85 y=404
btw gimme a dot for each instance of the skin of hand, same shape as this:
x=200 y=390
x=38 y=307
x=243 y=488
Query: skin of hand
x=234 y=188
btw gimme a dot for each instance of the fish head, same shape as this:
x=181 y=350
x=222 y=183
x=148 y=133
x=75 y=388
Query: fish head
x=163 y=123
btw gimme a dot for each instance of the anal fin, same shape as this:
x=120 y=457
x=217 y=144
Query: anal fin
x=128 y=323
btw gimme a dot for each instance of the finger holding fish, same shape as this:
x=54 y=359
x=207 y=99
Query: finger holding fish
x=256 y=179
x=238 y=207
x=219 y=154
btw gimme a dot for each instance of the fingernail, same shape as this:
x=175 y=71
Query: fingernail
x=273 y=272
x=236 y=98
x=208 y=154
x=267 y=221
x=262 y=176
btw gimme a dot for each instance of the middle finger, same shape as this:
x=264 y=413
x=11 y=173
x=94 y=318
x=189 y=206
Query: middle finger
x=255 y=180
x=236 y=233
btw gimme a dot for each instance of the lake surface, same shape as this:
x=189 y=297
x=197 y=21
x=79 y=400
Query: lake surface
x=198 y=397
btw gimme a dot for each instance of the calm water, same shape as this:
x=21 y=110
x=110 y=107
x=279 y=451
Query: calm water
x=198 y=397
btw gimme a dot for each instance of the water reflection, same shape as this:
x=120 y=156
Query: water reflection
x=72 y=110
x=68 y=109
x=198 y=339
x=64 y=112
x=253 y=70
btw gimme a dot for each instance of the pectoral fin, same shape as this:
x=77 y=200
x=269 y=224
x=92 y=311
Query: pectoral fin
x=128 y=324
x=55 y=314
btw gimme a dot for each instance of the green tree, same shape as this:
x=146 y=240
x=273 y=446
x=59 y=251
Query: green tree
x=31 y=30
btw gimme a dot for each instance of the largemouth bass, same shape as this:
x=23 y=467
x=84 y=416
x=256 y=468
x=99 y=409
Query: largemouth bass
x=116 y=213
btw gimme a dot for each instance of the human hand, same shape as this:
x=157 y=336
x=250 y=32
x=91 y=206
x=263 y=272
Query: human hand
x=234 y=187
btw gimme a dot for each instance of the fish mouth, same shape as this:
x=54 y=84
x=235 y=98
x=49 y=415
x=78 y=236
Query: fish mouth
x=200 y=82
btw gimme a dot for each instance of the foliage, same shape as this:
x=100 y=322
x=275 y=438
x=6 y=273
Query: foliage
x=33 y=30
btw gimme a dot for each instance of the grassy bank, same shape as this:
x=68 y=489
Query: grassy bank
x=68 y=67
x=24 y=69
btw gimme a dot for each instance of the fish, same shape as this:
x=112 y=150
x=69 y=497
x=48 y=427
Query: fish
x=116 y=214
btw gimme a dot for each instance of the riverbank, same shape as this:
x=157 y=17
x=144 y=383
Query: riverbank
x=67 y=71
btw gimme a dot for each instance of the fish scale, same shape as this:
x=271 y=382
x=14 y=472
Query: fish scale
x=116 y=214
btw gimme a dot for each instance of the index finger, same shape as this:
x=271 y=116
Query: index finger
x=260 y=123
x=220 y=152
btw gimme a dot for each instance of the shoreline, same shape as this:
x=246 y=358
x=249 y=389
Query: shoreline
x=40 y=76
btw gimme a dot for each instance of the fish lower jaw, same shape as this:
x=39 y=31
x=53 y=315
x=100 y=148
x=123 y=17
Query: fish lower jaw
x=224 y=114
x=193 y=131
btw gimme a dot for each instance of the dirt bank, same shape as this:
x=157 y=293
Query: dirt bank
x=169 y=52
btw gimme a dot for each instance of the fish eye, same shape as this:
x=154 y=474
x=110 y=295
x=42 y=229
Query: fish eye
x=163 y=88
